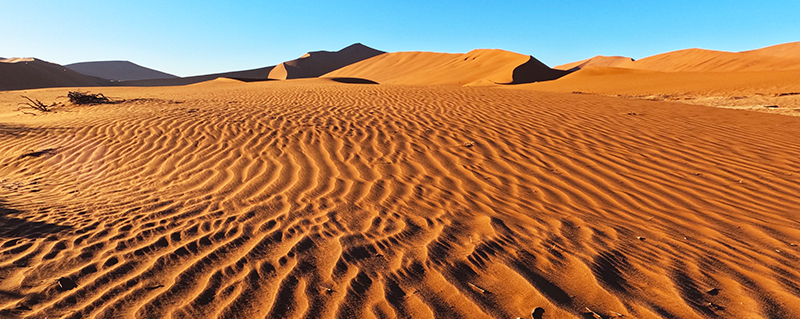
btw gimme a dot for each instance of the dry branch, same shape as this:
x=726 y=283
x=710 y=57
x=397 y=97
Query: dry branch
x=38 y=105
x=86 y=98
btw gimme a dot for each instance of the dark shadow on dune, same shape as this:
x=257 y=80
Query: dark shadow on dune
x=353 y=81
x=11 y=227
x=252 y=79
x=14 y=130
x=535 y=71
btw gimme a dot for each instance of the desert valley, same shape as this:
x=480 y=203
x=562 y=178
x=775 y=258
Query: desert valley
x=367 y=184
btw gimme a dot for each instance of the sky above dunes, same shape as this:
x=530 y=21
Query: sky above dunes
x=199 y=37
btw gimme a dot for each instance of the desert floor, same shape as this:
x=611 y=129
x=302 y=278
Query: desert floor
x=317 y=199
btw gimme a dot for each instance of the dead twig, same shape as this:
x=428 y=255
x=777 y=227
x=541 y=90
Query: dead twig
x=483 y=291
x=37 y=105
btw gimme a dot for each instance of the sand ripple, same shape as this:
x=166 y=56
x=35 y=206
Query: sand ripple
x=315 y=199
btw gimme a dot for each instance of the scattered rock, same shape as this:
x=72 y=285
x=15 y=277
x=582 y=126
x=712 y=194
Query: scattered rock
x=714 y=306
x=594 y=314
x=538 y=313
x=65 y=283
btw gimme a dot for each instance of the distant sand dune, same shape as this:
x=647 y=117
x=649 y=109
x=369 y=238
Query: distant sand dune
x=785 y=50
x=118 y=70
x=477 y=67
x=699 y=60
x=29 y=73
x=605 y=61
x=315 y=64
x=312 y=198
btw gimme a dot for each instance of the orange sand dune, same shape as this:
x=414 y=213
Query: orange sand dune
x=318 y=199
x=478 y=67
x=631 y=81
x=315 y=64
x=699 y=60
x=29 y=73
x=606 y=61
x=786 y=50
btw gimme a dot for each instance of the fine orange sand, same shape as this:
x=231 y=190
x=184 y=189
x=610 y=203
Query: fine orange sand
x=317 y=199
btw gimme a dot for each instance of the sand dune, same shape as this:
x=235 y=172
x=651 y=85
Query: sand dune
x=786 y=50
x=29 y=73
x=312 y=198
x=118 y=70
x=699 y=60
x=315 y=64
x=478 y=67
x=606 y=61
x=260 y=74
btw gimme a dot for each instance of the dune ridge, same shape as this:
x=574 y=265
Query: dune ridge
x=477 y=67
x=315 y=64
x=312 y=198
x=30 y=73
x=785 y=50
x=606 y=61
x=118 y=70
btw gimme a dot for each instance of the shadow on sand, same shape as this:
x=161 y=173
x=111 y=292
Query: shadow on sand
x=353 y=81
x=535 y=71
x=12 y=227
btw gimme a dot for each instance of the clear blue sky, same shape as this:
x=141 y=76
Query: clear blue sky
x=198 y=37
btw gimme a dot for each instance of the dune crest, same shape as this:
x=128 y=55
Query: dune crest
x=785 y=50
x=477 y=67
x=315 y=64
x=118 y=70
x=604 y=61
x=699 y=60
x=31 y=73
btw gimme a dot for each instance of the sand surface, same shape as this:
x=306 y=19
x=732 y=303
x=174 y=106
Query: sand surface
x=316 y=199
x=765 y=91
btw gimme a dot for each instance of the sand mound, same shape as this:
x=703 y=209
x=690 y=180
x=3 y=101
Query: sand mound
x=118 y=70
x=313 y=198
x=260 y=74
x=29 y=73
x=478 y=67
x=604 y=61
x=314 y=64
x=786 y=50
x=699 y=60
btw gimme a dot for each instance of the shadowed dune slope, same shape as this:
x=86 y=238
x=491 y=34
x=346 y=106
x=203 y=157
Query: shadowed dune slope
x=318 y=199
x=21 y=74
x=260 y=74
x=477 y=67
x=118 y=70
x=315 y=64
x=606 y=61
